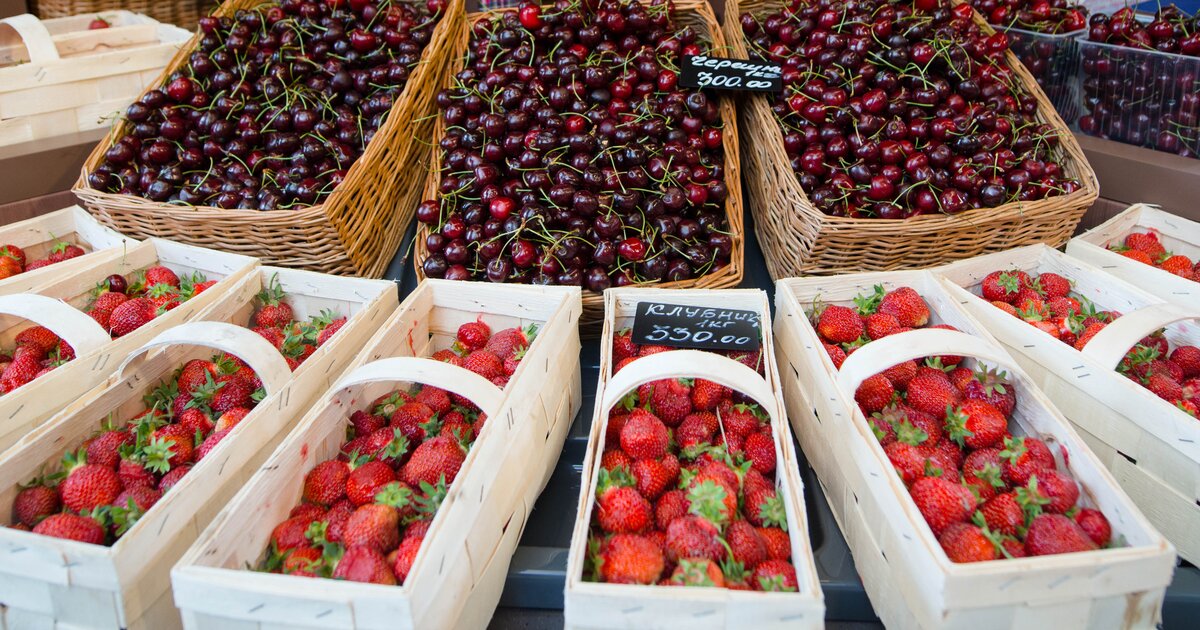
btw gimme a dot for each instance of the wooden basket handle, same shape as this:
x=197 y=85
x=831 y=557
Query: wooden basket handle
x=882 y=354
x=690 y=364
x=72 y=325
x=449 y=377
x=35 y=36
x=257 y=352
x=1111 y=344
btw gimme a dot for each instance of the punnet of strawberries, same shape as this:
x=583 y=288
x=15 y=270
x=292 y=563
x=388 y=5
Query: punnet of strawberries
x=274 y=320
x=364 y=514
x=687 y=493
x=274 y=105
x=13 y=260
x=898 y=108
x=1146 y=248
x=572 y=156
x=103 y=488
x=985 y=492
x=1046 y=302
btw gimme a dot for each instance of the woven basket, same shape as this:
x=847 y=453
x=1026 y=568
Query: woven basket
x=698 y=14
x=358 y=228
x=798 y=239
x=182 y=13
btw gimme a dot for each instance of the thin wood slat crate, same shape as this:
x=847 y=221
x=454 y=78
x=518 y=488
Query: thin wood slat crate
x=49 y=582
x=1151 y=448
x=1176 y=233
x=28 y=407
x=601 y=605
x=38 y=235
x=909 y=579
x=58 y=77
x=459 y=572
x=183 y=13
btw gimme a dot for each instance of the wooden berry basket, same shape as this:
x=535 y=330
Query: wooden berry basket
x=65 y=387
x=38 y=235
x=601 y=605
x=57 y=77
x=1177 y=234
x=354 y=232
x=49 y=582
x=909 y=579
x=459 y=573
x=798 y=239
x=699 y=15
x=1151 y=448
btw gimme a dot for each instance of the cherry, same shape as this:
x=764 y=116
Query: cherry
x=530 y=15
x=632 y=248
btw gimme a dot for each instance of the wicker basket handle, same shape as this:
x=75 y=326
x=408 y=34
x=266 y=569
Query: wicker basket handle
x=257 y=352
x=451 y=378
x=690 y=364
x=35 y=36
x=1111 y=344
x=882 y=354
x=72 y=325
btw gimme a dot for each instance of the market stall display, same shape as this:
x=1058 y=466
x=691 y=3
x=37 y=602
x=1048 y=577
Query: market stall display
x=1116 y=386
x=615 y=175
x=912 y=532
x=59 y=76
x=289 y=131
x=636 y=543
x=41 y=247
x=445 y=344
x=834 y=185
x=1148 y=248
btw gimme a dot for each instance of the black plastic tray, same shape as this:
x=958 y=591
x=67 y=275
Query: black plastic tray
x=538 y=571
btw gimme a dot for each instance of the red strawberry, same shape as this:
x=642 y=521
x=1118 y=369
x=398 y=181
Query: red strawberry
x=39 y=337
x=302 y=562
x=34 y=504
x=14 y=252
x=1054 y=285
x=1003 y=513
x=670 y=399
x=981 y=471
x=691 y=536
x=1165 y=387
x=274 y=312
x=434 y=459
x=131 y=315
x=839 y=324
x=160 y=275
x=326 y=482
x=230 y=419
x=329 y=330
x=485 y=364
x=366 y=480
x=706 y=394
x=1188 y=360
x=908 y=460
x=373 y=525
x=1146 y=242
x=172 y=478
x=195 y=421
x=473 y=335
x=992 y=386
x=976 y=424
x=1023 y=457
x=1062 y=491
x=406 y=554
x=102 y=309
x=211 y=443
x=963 y=542
x=1054 y=534
x=1088 y=332
x=644 y=436
x=836 y=354
x=874 y=394
x=233 y=391
x=195 y=374
x=71 y=527
x=435 y=398
x=671 y=505
x=23 y=369
x=880 y=325
x=164 y=297
x=759 y=449
x=630 y=559
x=364 y=564
x=779 y=544
x=774 y=575
x=615 y=458
x=655 y=476
x=1003 y=286
x=746 y=544
x=941 y=502
x=132 y=473
x=104 y=449
x=88 y=486
x=695 y=429
x=508 y=342
x=1095 y=525
x=907 y=306
x=931 y=394
x=142 y=497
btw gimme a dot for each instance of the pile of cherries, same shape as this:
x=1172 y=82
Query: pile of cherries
x=1052 y=17
x=572 y=155
x=274 y=105
x=897 y=108
x=1142 y=98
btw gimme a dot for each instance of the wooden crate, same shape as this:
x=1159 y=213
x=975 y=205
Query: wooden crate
x=600 y=605
x=38 y=235
x=459 y=573
x=1177 y=234
x=1151 y=448
x=65 y=388
x=49 y=582
x=909 y=579
x=58 y=77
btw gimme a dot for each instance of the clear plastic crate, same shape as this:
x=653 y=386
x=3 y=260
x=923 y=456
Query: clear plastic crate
x=1052 y=60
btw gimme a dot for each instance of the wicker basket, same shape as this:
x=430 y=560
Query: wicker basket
x=798 y=239
x=183 y=13
x=698 y=14
x=359 y=226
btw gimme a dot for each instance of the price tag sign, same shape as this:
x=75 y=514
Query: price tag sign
x=702 y=71
x=702 y=327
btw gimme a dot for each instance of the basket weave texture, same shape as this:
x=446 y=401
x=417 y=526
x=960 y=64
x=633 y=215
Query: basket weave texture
x=699 y=15
x=798 y=239
x=358 y=228
x=182 y=13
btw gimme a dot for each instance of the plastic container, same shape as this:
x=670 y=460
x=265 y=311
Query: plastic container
x=1052 y=59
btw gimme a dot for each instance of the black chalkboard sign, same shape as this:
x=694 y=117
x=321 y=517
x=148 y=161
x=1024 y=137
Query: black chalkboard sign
x=702 y=71
x=703 y=327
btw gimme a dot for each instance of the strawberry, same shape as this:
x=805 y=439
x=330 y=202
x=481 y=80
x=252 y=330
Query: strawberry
x=160 y=275
x=655 y=476
x=670 y=506
x=329 y=330
x=620 y=508
x=1095 y=525
x=196 y=373
x=615 y=458
x=695 y=430
x=907 y=459
x=759 y=449
x=992 y=386
x=931 y=394
x=774 y=575
x=173 y=477
x=87 y=486
x=740 y=421
x=1178 y=265
x=644 y=436
x=623 y=346
x=366 y=480
x=102 y=308
x=35 y=503
x=874 y=394
x=195 y=421
x=1145 y=242
x=406 y=554
x=1003 y=513
x=976 y=424
x=143 y=498
x=964 y=542
x=364 y=564
x=981 y=472
x=104 y=449
x=485 y=364
x=169 y=447
x=508 y=342
x=373 y=525
x=417 y=529
x=473 y=335
x=335 y=519
x=434 y=459
x=779 y=544
x=901 y=373
x=1054 y=286
x=164 y=297
x=435 y=398
x=941 y=502
x=1023 y=457
x=230 y=419
x=706 y=394
x=1003 y=286
x=309 y=511
x=210 y=443
x=839 y=324
x=302 y=562
x=697 y=572
x=880 y=325
x=14 y=252
x=1163 y=386
x=745 y=544
x=692 y=536
x=1062 y=491
x=836 y=354
x=274 y=312
x=1054 y=534
x=907 y=306
x=232 y=391
x=71 y=527
x=326 y=482
x=629 y=559
x=130 y=315
x=670 y=399
x=1087 y=334
x=39 y=337
x=23 y=369
x=132 y=473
